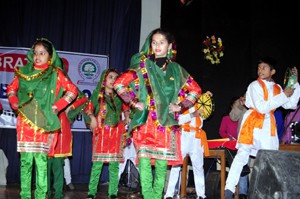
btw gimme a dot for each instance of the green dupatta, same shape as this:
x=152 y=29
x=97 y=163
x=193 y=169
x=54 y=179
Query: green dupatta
x=110 y=107
x=37 y=93
x=165 y=87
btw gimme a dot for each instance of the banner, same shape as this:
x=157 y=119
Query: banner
x=83 y=69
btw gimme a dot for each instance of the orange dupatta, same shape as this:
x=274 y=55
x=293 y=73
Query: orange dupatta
x=200 y=133
x=256 y=119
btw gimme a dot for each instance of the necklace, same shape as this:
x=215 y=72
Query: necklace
x=164 y=66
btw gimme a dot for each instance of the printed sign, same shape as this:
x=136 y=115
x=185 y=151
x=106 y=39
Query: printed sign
x=83 y=69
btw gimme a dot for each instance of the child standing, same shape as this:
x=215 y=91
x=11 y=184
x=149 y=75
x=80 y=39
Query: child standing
x=194 y=143
x=39 y=91
x=63 y=147
x=152 y=86
x=104 y=112
x=258 y=127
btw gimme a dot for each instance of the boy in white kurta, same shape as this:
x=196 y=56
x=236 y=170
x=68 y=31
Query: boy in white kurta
x=194 y=143
x=258 y=127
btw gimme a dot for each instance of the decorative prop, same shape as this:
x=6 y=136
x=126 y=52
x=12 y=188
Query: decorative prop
x=289 y=79
x=206 y=103
x=213 y=49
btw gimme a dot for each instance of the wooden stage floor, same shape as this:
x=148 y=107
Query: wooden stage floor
x=12 y=191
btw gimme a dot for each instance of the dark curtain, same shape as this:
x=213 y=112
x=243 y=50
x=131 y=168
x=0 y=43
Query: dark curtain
x=105 y=27
x=249 y=30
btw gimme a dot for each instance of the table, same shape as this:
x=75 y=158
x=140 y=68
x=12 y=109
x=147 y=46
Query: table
x=214 y=153
x=289 y=147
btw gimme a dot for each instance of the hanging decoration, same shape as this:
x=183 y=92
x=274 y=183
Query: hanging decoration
x=213 y=49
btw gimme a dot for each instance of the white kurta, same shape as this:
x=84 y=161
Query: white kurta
x=262 y=138
x=255 y=99
x=192 y=146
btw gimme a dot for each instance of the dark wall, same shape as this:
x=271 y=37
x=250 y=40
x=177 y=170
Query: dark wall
x=249 y=30
x=103 y=27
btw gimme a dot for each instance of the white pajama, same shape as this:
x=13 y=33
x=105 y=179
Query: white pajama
x=192 y=146
x=262 y=138
x=67 y=171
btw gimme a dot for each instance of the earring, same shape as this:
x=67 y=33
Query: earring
x=150 y=51
x=49 y=62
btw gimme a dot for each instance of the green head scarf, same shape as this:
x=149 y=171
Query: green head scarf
x=55 y=59
x=57 y=62
x=37 y=90
x=111 y=106
x=147 y=50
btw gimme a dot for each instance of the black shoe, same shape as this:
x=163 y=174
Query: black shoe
x=113 y=197
x=228 y=194
x=90 y=197
x=200 y=197
x=242 y=196
x=169 y=198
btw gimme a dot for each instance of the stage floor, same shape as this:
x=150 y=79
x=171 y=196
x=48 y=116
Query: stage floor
x=12 y=191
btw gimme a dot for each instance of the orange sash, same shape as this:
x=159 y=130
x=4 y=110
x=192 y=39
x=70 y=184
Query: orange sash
x=256 y=119
x=200 y=133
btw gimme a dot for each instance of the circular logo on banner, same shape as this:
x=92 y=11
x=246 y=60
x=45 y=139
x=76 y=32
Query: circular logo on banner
x=88 y=69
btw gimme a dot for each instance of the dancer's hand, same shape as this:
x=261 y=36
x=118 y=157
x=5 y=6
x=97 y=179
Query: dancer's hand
x=174 y=108
x=93 y=124
x=139 y=106
x=54 y=109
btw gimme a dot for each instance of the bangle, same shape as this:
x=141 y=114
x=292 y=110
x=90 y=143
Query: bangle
x=132 y=103
x=180 y=108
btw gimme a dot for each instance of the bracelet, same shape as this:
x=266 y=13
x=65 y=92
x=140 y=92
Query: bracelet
x=132 y=103
x=180 y=108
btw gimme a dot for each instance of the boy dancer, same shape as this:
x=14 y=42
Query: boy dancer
x=258 y=127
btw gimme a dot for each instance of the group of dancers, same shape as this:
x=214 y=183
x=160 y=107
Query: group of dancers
x=155 y=98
